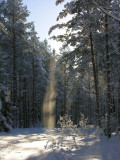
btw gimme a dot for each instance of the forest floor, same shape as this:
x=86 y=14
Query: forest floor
x=49 y=144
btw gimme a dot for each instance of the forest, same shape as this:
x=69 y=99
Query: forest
x=38 y=86
x=66 y=105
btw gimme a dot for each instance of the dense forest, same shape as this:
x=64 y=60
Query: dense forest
x=84 y=79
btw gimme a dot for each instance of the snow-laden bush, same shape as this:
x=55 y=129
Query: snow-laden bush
x=6 y=110
x=66 y=124
x=67 y=134
x=99 y=132
x=83 y=123
x=68 y=130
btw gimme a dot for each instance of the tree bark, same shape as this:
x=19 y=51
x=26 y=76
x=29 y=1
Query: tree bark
x=108 y=130
x=33 y=95
x=14 y=67
x=95 y=80
x=24 y=105
x=65 y=85
x=119 y=104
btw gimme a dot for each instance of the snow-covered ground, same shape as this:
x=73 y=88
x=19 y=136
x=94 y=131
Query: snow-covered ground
x=48 y=144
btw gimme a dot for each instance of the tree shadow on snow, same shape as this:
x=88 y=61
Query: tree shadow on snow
x=83 y=153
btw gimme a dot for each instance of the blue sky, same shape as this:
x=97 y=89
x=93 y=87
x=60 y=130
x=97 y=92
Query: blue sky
x=44 y=14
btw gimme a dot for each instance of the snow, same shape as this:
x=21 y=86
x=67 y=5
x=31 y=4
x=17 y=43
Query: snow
x=48 y=144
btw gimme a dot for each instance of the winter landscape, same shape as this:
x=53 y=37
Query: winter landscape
x=50 y=144
x=60 y=80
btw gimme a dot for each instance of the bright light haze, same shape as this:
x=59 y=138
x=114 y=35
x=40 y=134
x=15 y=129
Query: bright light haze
x=44 y=13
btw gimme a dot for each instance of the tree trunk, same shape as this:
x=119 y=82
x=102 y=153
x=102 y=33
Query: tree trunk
x=95 y=74
x=108 y=130
x=33 y=95
x=24 y=105
x=20 y=105
x=65 y=83
x=89 y=100
x=14 y=68
x=119 y=104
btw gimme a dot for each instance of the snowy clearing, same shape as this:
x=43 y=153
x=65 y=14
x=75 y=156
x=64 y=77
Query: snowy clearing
x=48 y=144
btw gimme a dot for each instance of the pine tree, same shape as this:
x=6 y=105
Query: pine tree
x=88 y=35
x=20 y=46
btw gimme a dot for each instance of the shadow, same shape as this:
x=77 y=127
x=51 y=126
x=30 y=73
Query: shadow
x=29 y=144
x=80 y=154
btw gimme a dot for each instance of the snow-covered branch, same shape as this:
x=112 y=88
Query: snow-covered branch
x=106 y=12
x=59 y=26
x=59 y=1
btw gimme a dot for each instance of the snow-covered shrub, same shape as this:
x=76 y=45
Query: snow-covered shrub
x=4 y=125
x=6 y=110
x=99 y=132
x=83 y=123
x=51 y=143
x=103 y=123
x=67 y=131
x=66 y=125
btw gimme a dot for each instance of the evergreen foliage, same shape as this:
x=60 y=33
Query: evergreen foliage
x=93 y=32
x=87 y=71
